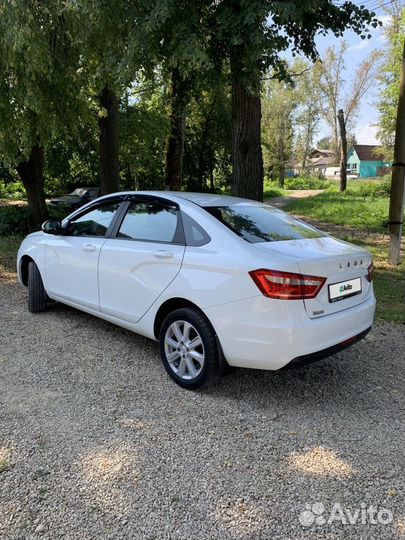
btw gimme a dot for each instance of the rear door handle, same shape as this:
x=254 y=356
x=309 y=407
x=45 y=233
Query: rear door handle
x=163 y=254
x=89 y=247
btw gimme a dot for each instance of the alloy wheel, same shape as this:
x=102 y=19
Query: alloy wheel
x=184 y=350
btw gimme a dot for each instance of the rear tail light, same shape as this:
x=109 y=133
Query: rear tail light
x=370 y=273
x=286 y=285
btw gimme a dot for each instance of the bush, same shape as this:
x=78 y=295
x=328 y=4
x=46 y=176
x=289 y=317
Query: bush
x=14 y=219
x=379 y=188
x=12 y=190
x=307 y=182
x=271 y=189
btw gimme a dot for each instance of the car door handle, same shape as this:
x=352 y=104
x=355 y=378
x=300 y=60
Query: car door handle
x=89 y=247
x=163 y=254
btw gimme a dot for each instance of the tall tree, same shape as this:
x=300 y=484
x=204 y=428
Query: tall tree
x=108 y=142
x=397 y=198
x=40 y=96
x=254 y=33
x=309 y=108
x=280 y=101
x=173 y=36
x=102 y=33
x=179 y=99
x=389 y=78
x=339 y=95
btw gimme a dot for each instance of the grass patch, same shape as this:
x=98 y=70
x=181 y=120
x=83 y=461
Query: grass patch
x=308 y=182
x=350 y=209
x=363 y=206
x=8 y=252
x=271 y=189
x=389 y=281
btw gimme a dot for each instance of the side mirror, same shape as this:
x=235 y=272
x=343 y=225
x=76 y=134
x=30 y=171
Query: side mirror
x=52 y=227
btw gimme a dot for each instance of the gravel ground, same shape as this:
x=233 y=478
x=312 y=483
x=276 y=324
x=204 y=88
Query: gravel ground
x=97 y=443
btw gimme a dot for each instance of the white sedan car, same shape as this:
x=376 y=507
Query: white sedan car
x=219 y=281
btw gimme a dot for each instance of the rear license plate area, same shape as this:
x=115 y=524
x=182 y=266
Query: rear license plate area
x=344 y=289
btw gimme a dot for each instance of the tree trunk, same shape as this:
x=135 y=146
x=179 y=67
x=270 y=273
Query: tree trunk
x=247 y=159
x=343 y=151
x=203 y=159
x=396 y=214
x=281 y=157
x=31 y=173
x=211 y=175
x=175 y=144
x=108 y=144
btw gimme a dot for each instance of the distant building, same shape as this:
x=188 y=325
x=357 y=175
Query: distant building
x=319 y=153
x=366 y=160
x=318 y=166
x=317 y=162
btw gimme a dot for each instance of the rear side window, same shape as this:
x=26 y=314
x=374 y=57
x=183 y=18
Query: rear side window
x=193 y=232
x=262 y=223
x=149 y=222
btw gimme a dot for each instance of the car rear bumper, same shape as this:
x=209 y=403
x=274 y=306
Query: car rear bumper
x=262 y=333
x=324 y=353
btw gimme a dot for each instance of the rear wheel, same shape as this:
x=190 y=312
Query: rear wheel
x=37 y=297
x=188 y=348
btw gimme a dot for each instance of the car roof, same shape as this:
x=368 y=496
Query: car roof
x=201 y=199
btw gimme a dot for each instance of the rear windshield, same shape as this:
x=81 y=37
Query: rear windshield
x=262 y=223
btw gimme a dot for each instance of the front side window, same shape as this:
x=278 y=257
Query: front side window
x=262 y=223
x=149 y=222
x=95 y=222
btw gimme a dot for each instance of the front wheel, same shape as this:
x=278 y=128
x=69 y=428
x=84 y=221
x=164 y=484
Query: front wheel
x=188 y=348
x=37 y=297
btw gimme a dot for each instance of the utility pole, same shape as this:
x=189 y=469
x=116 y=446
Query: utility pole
x=343 y=150
x=396 y=215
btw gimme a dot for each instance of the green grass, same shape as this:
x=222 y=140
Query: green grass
x=8 y=252
x=271 y=189
x=307 y=182
x=389 y=281
x=364 y=206
x=350 y=209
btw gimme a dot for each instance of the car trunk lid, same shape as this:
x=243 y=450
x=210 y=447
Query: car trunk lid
x=343 y=265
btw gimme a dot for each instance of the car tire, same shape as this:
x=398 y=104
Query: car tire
x=193 y=367
x=37 y=297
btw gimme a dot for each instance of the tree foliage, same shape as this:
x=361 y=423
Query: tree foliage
x=90 y=82
x=389 y=79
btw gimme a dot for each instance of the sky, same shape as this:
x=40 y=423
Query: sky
x=357 y=51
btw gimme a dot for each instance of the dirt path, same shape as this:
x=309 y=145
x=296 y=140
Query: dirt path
x=280 y=202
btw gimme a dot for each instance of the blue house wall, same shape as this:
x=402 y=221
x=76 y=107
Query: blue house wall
x=365 y=169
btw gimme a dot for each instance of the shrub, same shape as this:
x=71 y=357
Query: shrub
x=307 y=182
x=380 y=188
x=14 y=219
x=12 y=190
x=271 y=189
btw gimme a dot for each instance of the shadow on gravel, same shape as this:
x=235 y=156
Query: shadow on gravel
x=100 y=443
x=346 y=379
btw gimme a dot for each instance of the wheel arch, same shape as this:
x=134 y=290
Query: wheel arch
x=167 y=307
x=23 y=270
x=177 y=303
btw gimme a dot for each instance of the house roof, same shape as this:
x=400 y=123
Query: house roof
x=368 y=152
x=322 y=151
x=322 y=161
